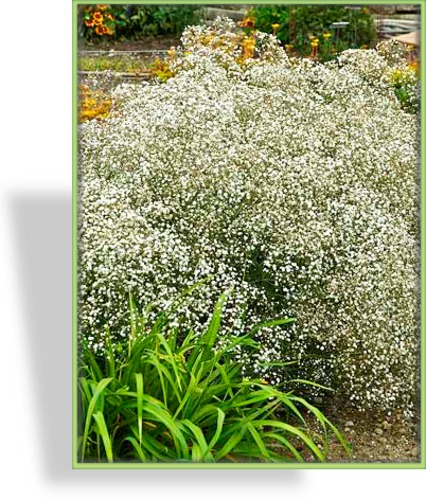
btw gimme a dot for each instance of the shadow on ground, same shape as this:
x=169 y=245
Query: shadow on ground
x=43 y=246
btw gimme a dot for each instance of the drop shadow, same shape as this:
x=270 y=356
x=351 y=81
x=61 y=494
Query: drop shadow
x=42 y=225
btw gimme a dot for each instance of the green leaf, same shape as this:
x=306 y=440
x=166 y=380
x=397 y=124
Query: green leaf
x=100 y=387
x=203 y=451
x=235 y=437
x=137 y=447
x=206 y=342
x=139 y=393
x=281 y=439
x=219 y=427
x=258 y=440
x=296 y=432
x=324 y=422
x=159 y=413
x=103 y=431
x=308 y=382
x=272 y=323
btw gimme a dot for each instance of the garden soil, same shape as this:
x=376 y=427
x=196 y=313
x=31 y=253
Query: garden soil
x=373 y=438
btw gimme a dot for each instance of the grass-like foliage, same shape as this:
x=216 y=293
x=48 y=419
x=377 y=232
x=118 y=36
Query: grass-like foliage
x=175 y=396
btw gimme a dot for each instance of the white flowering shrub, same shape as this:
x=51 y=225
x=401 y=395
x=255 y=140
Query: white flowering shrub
x=292 y=184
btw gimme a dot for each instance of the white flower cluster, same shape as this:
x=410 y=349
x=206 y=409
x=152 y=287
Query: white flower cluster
x=221 y=43
x=393 y=52
x=292 y=184
x=386 y=69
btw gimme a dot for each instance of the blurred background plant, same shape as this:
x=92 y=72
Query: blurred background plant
x=403 y=73
x=405 y=82
x=132 y=22
x=317 y=30
x=93 y=104
x=95 y=99
x=123 y=63
x=97 y=21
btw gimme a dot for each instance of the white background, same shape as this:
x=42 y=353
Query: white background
x=35 y=280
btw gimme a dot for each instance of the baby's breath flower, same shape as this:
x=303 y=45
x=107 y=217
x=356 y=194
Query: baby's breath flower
x=289 y=183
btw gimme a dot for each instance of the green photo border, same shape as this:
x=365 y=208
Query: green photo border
x=349 y=465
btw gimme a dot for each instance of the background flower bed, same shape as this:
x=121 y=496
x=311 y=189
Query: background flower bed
x=303 y=27
x=300 y=28
x=131 y=22
x=291 y=182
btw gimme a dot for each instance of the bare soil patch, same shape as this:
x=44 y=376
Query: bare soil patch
x=373 y=438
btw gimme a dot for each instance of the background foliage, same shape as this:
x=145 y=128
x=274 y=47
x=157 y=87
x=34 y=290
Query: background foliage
x=298 y=23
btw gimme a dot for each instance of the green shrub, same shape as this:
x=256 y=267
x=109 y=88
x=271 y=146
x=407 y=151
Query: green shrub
x=174 y=396
x=299 y=23
x=154 y=20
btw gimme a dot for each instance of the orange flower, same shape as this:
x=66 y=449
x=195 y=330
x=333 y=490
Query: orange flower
x=110 y=17
x=89 y=24
x=98 y=18
x=101 y=7
x=101 y=30
x=247 y=23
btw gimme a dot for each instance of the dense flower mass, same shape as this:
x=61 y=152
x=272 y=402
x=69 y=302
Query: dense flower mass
x=291 y=184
